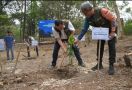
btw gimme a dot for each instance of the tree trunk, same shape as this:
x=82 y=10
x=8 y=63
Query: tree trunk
x=1 y=7
x=24 y=24
x=120 y=28
x=94 y=3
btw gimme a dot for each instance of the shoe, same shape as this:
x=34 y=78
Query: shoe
x=96 y=67
x=8 y=59
x=12 y=59
x=82 y=65
x=111 y=70
x=53 y=64
x=51 y=67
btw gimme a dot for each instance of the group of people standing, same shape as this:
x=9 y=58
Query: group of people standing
x=96 y=17
x=10 y=42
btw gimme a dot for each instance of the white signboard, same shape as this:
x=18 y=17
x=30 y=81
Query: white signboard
x=2 y=45
x=34 y=43
x=99 y=33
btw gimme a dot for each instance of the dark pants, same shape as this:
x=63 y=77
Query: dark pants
x=36 y=49
x=112 y=50
x=57 y=48
x=12 y=53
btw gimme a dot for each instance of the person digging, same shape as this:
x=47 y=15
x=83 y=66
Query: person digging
x=28 y=41
x=61 y=33
x=100 y=17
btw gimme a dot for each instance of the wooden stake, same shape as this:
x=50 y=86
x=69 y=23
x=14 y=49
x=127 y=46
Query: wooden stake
x=1 y=65
x=62 y=60
x=99 y=54
x=17 y=60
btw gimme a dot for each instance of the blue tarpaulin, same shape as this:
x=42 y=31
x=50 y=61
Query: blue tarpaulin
x=45 y=27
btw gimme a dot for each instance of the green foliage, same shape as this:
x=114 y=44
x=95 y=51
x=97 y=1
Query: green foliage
x=4 y=24
x=16 y=33
x=32 y=18
x=128 y=27
x=4 y=19
x=70 y=53
x=71 y=40
x=70 y=49
x=44 y=9
x=77 y=23
x=128 y=9
x=13 y=29
x=59 y=9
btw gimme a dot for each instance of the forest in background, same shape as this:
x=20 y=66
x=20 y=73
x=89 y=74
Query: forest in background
x=21 y=17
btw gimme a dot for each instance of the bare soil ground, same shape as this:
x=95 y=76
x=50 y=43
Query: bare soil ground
x=35 y=74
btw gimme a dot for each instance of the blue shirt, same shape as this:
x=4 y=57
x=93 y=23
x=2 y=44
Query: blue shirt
x=9 y=40
x=84 y=30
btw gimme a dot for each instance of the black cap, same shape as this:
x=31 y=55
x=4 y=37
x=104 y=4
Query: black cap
x=58 y=22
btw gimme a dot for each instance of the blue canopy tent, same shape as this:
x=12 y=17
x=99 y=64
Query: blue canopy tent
x=45 y=27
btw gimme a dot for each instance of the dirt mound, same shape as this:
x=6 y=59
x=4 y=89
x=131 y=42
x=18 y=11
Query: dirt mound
x=67 y=72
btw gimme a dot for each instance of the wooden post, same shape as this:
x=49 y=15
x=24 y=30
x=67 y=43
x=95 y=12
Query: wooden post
x=24 y=22
x=1 y=65
x=64 y=56
x=99 y=54
x=17 y=60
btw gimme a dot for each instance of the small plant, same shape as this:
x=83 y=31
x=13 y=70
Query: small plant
x=70 y=49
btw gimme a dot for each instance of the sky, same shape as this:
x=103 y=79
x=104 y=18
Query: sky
x=125 y=15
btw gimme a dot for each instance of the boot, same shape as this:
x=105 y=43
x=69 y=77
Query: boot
x=53 y=64
x=82 y=65
x=111 y=70
x=96 y=67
